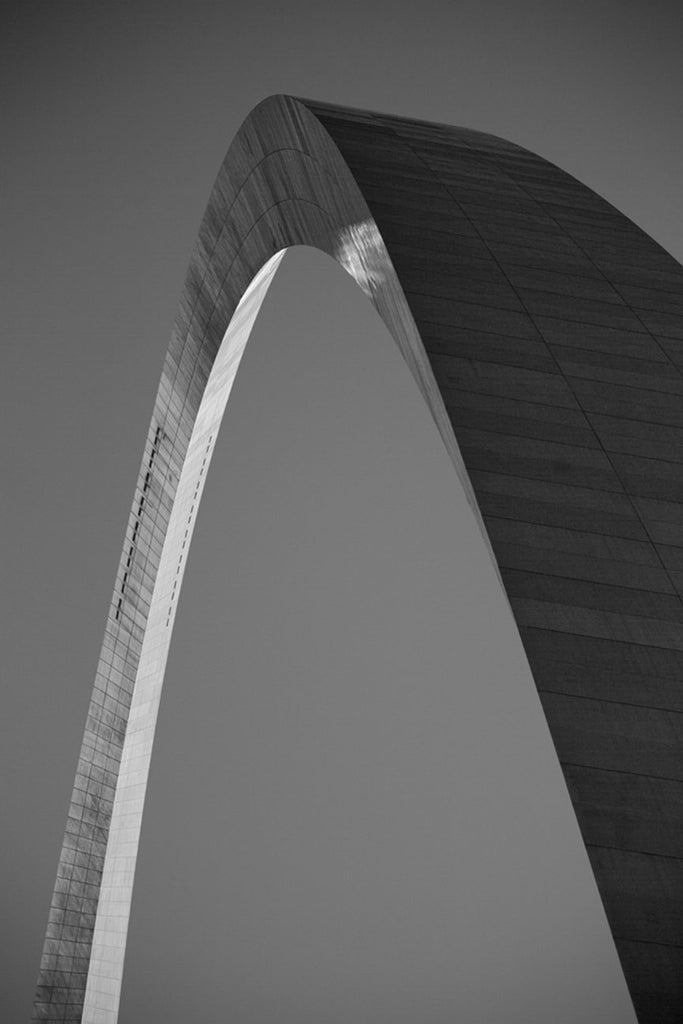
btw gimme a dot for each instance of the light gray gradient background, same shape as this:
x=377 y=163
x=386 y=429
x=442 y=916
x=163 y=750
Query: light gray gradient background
x=317 y=613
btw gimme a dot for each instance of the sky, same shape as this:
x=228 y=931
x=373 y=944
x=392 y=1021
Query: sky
x=353 y=808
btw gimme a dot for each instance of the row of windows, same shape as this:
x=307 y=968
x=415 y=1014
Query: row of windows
x=156 y=443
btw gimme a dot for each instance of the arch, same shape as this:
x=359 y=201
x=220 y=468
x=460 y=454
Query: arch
x=544 y=332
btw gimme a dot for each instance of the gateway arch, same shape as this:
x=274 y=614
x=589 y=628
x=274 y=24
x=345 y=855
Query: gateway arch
x=545 y=333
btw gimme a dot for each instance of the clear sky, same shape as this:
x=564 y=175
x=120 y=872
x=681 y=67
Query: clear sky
x=298 y=861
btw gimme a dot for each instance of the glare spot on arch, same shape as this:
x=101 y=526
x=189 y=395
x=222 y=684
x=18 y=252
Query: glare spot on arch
x=360 y=250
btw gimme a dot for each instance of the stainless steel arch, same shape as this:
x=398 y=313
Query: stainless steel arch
x=545 y=332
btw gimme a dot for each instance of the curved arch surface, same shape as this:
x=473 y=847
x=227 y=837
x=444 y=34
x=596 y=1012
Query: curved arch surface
x=545 y=332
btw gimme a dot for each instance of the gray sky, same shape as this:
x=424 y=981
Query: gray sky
x=344 y=793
